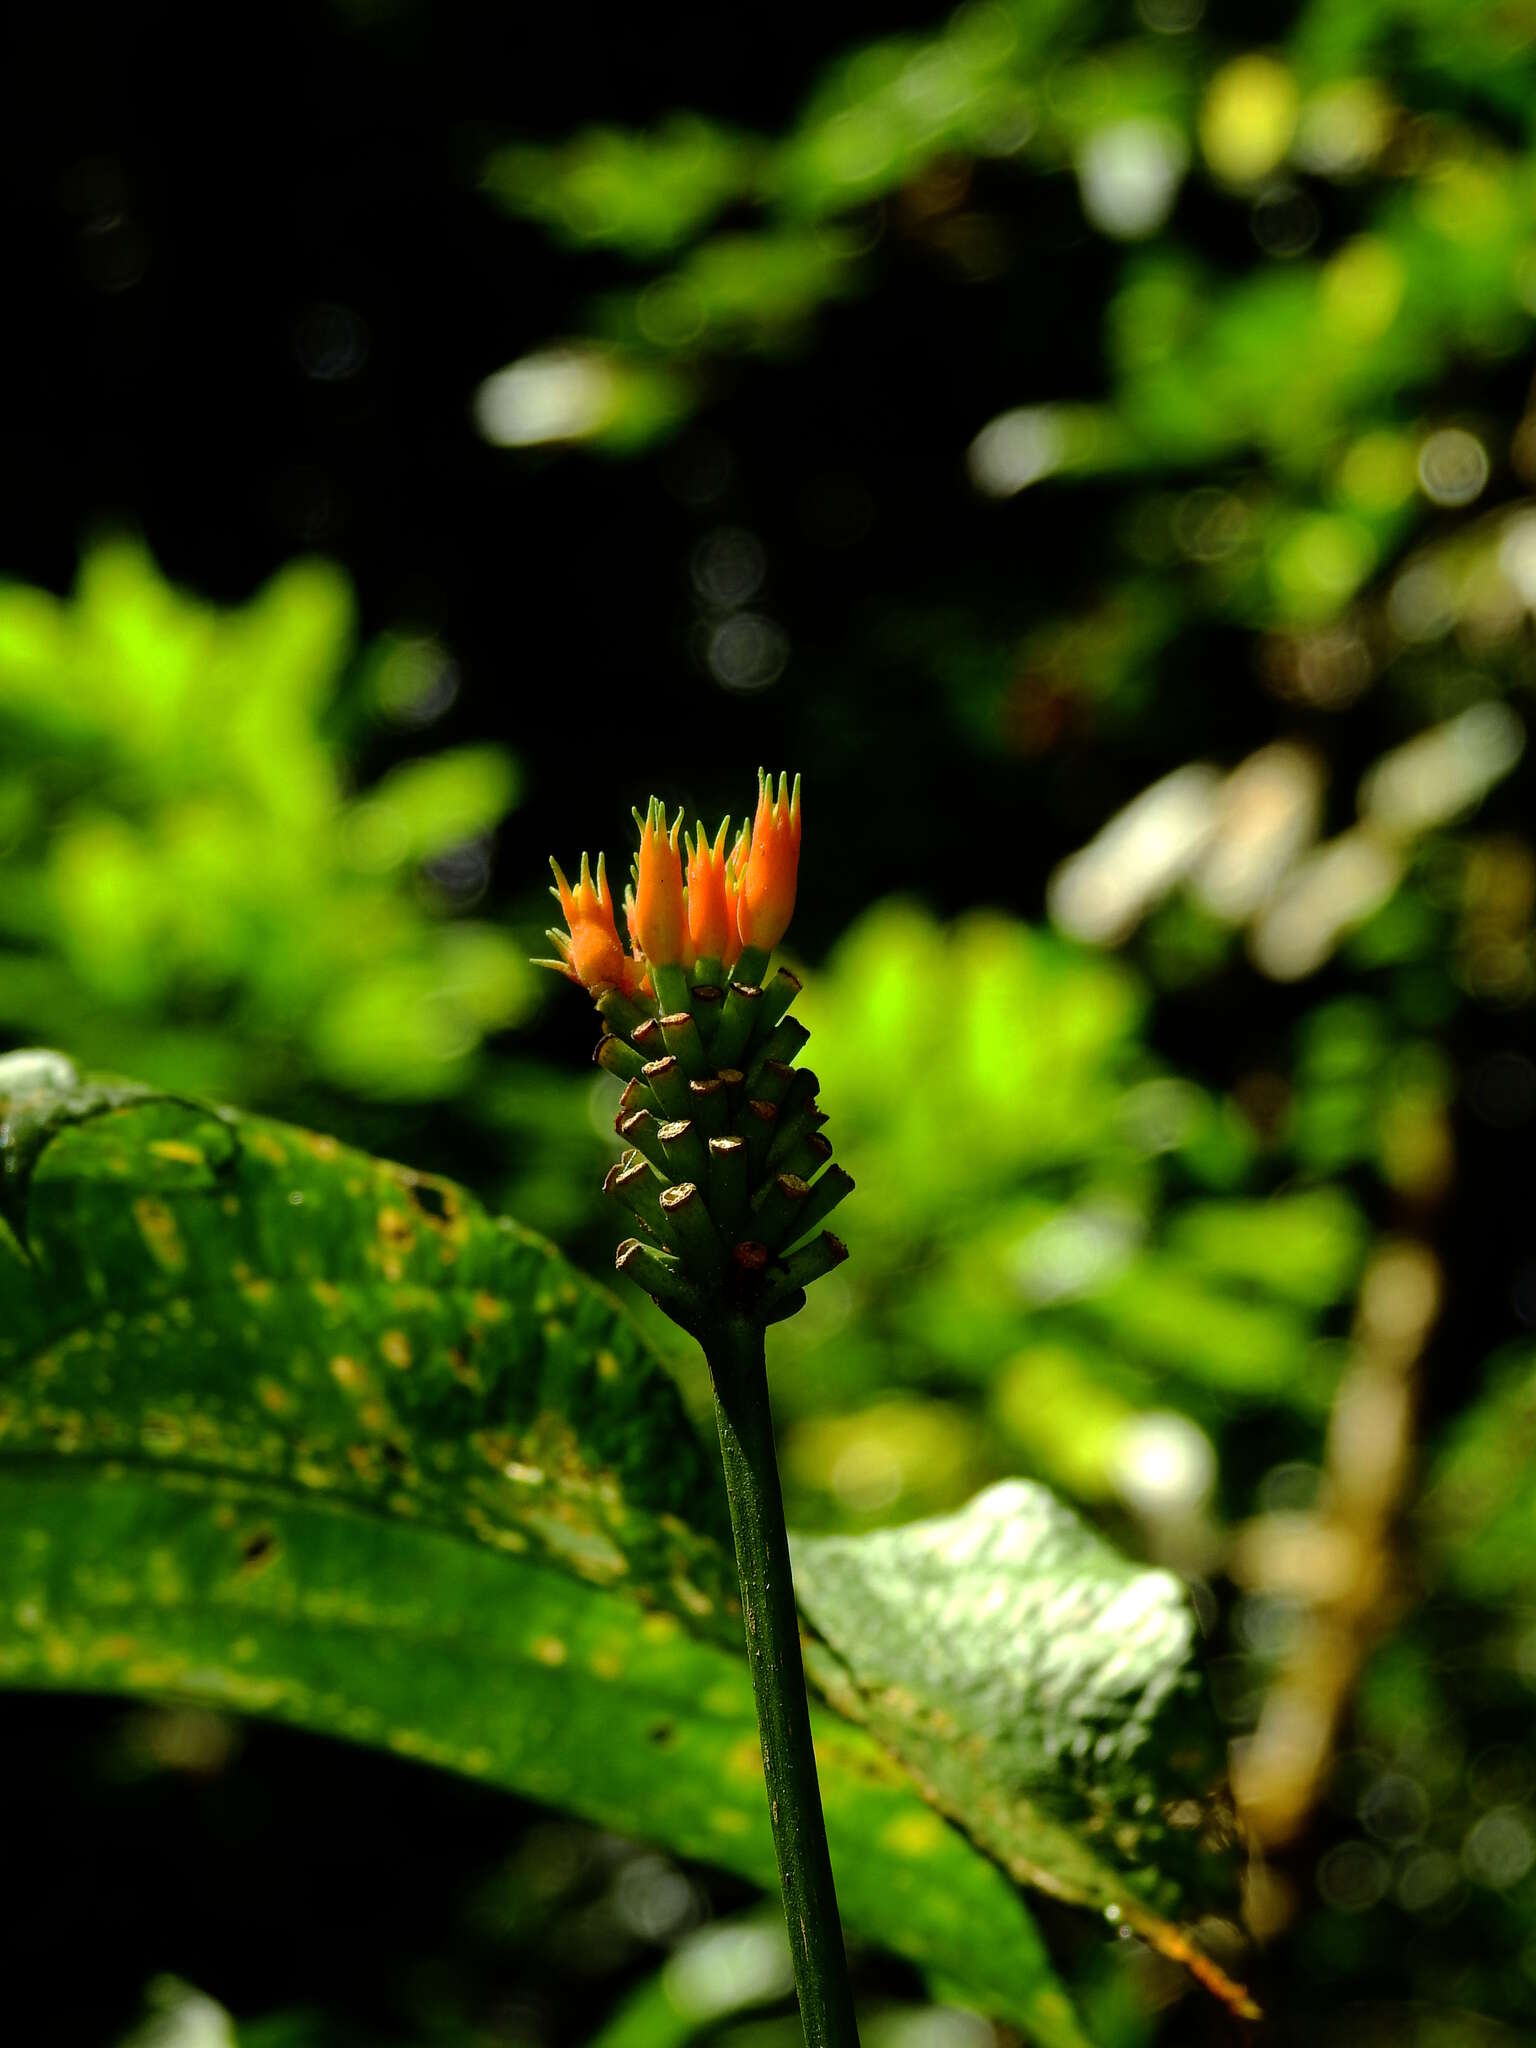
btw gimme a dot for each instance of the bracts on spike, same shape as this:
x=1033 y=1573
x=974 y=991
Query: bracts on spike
x=787 y=1039
x=821 y=1199
x=800 y=1269
x=689 y=1222
x=743 y=999
x=770 y=1082
x=681 y=1037
x=684 y=1150
x=634 y=1184
x=759 y=1122
x=662 y=1277
x=636 y=1095
x=778 y=995
x=808 y=1157
x=621 y=1013
x=776 y=1208
x=728 y=1183
x=617 y=1058
x=790 y=1127
x=666 y=1081
x=641 y=1130
x=709 y=1105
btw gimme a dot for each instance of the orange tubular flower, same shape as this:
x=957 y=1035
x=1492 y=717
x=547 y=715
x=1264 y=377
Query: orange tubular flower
x=711 y=901
x=767 y=900
x=592 y=953
x=658 y=921
x=735 y=869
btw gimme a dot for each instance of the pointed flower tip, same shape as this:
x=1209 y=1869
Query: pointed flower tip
x=711 y=899
x=658 y=922
x=770 y=868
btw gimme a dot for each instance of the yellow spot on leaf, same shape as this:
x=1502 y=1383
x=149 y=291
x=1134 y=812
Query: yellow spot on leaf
x=607 y=1366
x=163 y=1434
x=395 y=1228
x=182 y=1154
x=550 y=1650
x=346 y=1372
x=275 y=1398
x=744 y=1759
x=488 y=1308
x=914 y=1834
x=157 y=1226
x=396 y=1347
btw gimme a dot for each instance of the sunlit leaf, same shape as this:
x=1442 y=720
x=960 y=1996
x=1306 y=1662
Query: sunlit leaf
x=1041 y=1687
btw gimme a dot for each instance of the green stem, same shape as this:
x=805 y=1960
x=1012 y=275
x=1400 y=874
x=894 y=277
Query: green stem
x=737 y=1366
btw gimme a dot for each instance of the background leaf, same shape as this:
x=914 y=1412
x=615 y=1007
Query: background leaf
x=1040 y=1687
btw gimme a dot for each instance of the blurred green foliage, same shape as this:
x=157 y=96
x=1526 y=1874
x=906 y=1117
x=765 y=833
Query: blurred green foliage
x=190 y=884
x=1019 y=1151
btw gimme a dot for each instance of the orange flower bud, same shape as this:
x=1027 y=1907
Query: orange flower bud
x=591 y=953
x=767 y=900
x=735 y=868
x=711 y=910
x=658 y=922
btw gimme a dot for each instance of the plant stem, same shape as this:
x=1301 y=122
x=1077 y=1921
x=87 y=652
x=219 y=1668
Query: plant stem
x=737 y=1366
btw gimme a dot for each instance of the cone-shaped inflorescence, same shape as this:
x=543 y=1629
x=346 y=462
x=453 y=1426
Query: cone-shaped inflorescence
x=727 y=1171
x=725 y=1184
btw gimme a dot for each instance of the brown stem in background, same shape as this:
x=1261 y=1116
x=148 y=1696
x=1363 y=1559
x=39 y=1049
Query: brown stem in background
x=1337 y=1559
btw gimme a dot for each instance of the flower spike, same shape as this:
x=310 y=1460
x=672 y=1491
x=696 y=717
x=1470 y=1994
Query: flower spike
x=767 y=899
x=728 y=1179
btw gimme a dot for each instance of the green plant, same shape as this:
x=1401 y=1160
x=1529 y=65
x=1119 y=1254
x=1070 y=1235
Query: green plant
x=729 y=1180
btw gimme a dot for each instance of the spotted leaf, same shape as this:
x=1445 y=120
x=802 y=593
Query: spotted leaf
x=297 y=1432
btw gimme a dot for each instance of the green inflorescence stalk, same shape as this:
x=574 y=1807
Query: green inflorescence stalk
x=738 y=1369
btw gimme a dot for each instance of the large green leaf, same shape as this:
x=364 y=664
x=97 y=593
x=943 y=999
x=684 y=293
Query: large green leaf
x=1040 y=1688
x=300 y=1433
